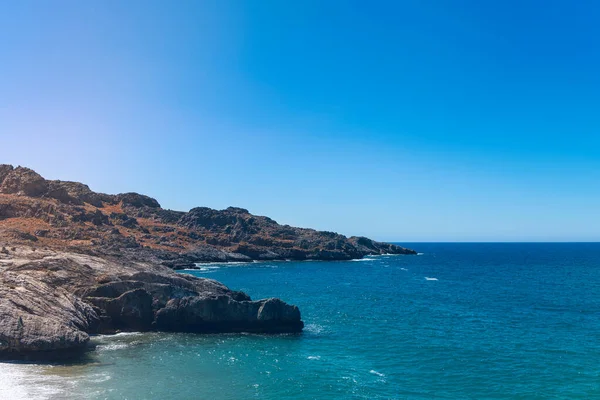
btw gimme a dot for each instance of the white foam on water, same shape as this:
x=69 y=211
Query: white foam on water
x=363 y=259
x=218 y=264
x=404 y=269
x=420 y=254
x=314 y=357
x=314 y=328
x=113 y=346
x=29 y=381
x=116 y=335
x=120 y=334
x=204 y=269
x=11 y=382
x=99 y=378
x=376 y=373
x=430 y=279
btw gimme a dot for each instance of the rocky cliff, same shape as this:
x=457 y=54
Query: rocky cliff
x=74 y=262
x=60 y=214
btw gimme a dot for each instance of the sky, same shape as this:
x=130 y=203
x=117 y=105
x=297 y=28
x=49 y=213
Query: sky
x=399 y=120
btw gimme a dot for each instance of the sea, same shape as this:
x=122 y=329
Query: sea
x=457 y=321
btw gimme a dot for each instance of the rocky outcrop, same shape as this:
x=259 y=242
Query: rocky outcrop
x=39 y=319
x=137 y=200
x=74 y=262
x=50 y=302
x=224 y=314
x=71 y=215
x=23 y=181
x=77 y=193
x=144 y=301
x=368 y=246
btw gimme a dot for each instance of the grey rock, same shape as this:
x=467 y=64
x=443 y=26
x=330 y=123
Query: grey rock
x=137 y=200
x=25 y=182
x=50 y=302
x=78 y=193
x=38 y=320
x=371 y=247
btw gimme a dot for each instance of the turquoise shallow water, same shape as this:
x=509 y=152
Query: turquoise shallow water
x=480 y=321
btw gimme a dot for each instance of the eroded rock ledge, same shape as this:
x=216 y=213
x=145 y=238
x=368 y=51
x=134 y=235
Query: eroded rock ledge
x=50 y=302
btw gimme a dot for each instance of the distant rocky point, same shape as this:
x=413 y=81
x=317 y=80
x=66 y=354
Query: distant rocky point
x=74 y=262
x=68 y=215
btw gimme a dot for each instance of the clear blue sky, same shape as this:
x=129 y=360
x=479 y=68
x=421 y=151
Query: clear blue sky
x=400 y=120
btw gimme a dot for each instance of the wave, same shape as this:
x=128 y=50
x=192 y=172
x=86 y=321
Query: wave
x=393 y=255
x=204 y=269
x=221 y=264
x=314 y=357
x=117 y=335
x=403 y=269
x=113 y=346
x=30 y=381
x=314 y=328
x=431 y=279
x=99 y=378
x=376 y=373
x=363 y=259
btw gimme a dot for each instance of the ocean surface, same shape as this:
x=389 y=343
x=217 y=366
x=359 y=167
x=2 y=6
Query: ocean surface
x=459 y=321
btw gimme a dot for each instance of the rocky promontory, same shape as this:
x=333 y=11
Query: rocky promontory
x=74 y=263
x=51 y=301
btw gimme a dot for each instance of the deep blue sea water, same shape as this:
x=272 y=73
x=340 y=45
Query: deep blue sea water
x=460 y=321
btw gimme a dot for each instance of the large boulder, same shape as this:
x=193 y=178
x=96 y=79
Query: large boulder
x=131 y=311
x=207 y=218
x=25 y=182
x=38 y=320
x=209 y=314
x=146 y=300
x=78 y=193
x=137 y=200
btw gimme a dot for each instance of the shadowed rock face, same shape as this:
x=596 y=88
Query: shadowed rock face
x=50 y=302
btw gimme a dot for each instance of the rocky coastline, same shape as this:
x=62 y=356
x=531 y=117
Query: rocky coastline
x=74 y=263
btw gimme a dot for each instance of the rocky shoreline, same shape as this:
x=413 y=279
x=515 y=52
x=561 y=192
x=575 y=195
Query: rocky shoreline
x=74 y=263
x=51 y=302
